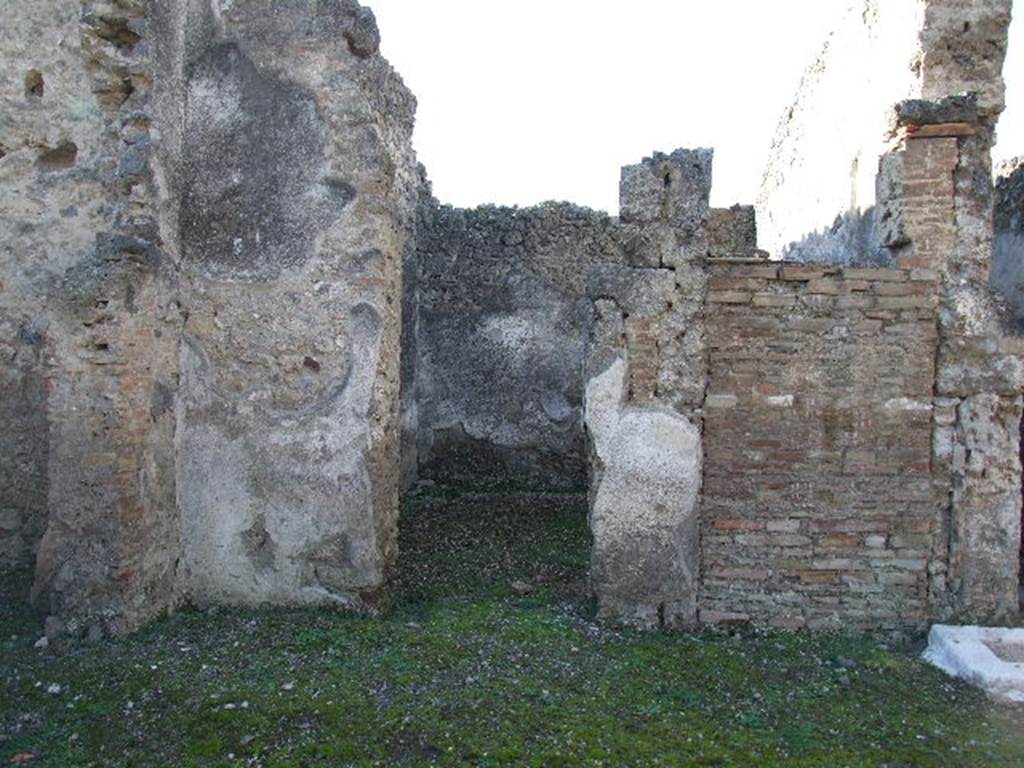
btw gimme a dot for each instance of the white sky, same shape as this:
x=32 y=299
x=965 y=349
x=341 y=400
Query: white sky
x=1011 y=124
x=545 y=99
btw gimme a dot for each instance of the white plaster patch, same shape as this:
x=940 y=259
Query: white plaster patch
x=991 y=658
x=647 y=491
x=780 y=401
x=516 y=334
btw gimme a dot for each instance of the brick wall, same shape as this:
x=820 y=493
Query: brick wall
x=819 y=506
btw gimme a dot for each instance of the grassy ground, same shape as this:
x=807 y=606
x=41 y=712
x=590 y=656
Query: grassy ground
x=465 y=672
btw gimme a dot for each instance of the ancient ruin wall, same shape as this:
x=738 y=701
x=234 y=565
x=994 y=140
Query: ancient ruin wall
x=503 y=322
x=862 y=425
x=931 y=209
x=818 y=199
x=1008 y=253
x=86 y=295
x=646 y=379
x=205 y=209
x=31 y=125
x=297 y=192
x=819 y=508
x=44 y=231
x=208 y=211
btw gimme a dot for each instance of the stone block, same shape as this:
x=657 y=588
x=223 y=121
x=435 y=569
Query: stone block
x=729 y=297
x=731 y=231
x=773 y=300
x=669 y=189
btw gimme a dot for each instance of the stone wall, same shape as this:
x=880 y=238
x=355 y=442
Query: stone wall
x=503 y=319
x=819 y=508
x=216 y=384
x=931 y=209
x=863 y=425
x=297 y=193
x=646 y=368
x=44 y=119
x=206 y=207
x=89 y=309
x=1008 y=261
x=501 y=308
x=1008 y=253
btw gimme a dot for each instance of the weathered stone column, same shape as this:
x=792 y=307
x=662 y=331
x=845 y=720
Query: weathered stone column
x=297 y=192
x=645 y=386
x=936 y=195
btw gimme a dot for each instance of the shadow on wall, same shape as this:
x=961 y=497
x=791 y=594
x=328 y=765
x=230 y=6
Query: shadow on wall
x=501 y=327
x=852 y=240
x=23 y=455
x=1007 y=275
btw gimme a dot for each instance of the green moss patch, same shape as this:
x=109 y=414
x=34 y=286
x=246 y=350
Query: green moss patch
x=465 y=670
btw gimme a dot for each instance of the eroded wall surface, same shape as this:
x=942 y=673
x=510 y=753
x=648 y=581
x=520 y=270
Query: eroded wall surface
x=209 y=209
x=297 y=197
x=931 y=209
x=205 y=210
x=646 y=369
x=504 y=308
x=503 y=322
x=89 y=308
x=1008 y=253
x=46 y=105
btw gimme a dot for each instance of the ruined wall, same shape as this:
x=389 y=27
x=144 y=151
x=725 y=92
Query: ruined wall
x=862 y=425
x=1008 y=252
x=87 y=302
x=1008 y=259
x=979 y=378
x=209 y=209
x=205 y=210
x=45 y=105
x=296 y=185
x=504 y=305
x=646 y=372
x=819 y=508
x=931 y=209
x=503 y=322
x=818 y=199
x=409 y=414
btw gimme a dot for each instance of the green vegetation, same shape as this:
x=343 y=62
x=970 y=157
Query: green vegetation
x=465 y=671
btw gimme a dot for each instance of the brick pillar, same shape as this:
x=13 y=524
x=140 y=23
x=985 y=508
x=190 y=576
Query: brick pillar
x=936 y=216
